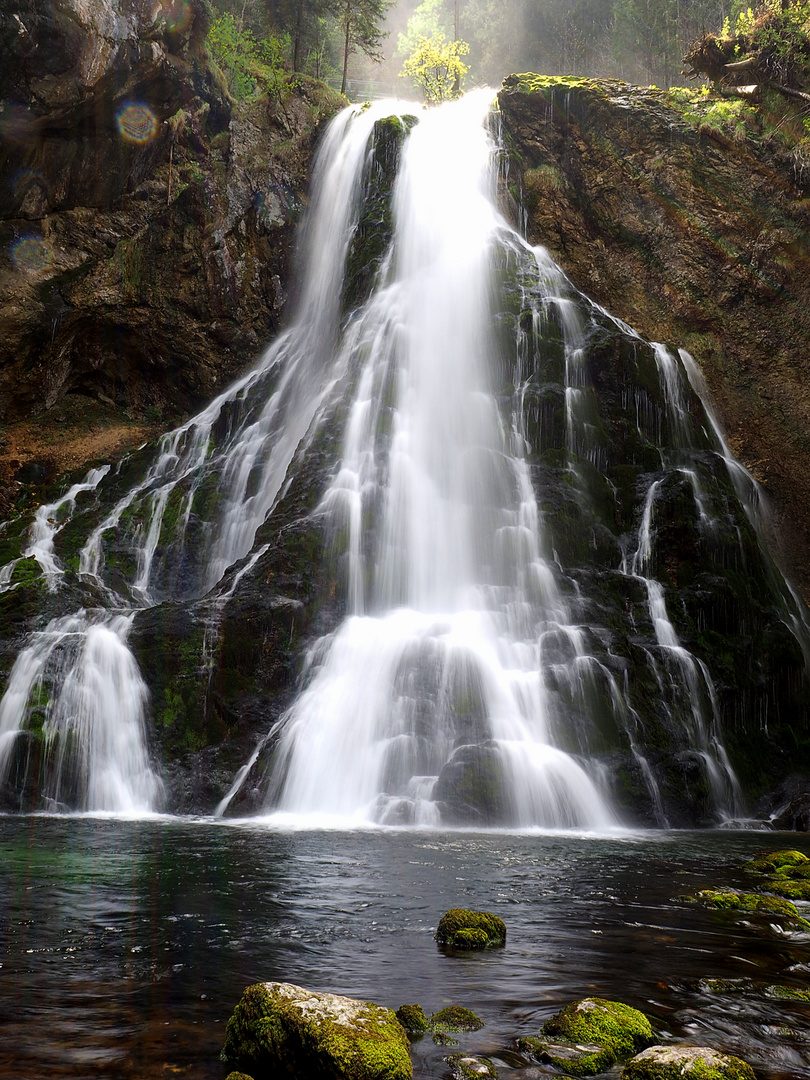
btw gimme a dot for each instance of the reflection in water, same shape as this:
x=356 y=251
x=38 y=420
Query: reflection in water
x=126 y=944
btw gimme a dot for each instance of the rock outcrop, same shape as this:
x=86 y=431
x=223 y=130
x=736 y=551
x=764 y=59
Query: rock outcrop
x=147 y=220
x=696 y=237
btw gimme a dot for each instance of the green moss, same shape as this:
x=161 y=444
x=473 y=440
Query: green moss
x=455 y=1018
x=575 y=1060
x=787 y=993
x=790 y=890
x=675 y=1063
x=470 y=939
x=528 y=82
x=413 y=1019
x=26 y=572
x=464 y=1067
x=281 y=1031
x=768 y=862
x=753 y=902
x=618 y=1027
x=459 y=919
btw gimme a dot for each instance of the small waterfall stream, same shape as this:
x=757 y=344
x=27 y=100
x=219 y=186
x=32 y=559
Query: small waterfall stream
x=476 y=674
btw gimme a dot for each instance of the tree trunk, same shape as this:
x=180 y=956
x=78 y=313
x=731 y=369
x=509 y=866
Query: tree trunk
x=346 y=52
x=299 y=19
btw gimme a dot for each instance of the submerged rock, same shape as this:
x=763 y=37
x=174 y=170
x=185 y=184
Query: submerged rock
x=676 y=1062
x=588 y=1036
x=280 y=1031
x=470 y=929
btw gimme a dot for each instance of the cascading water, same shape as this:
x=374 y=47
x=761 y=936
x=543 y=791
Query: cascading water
x=495 y=464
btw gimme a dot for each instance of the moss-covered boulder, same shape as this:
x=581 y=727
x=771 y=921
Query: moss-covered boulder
x=580 y=1059
x=464 y=1067
x=754 y=903
x=464 y=929
x=676 y=1062
x=283 y=1032
x=455 y=1018
x=588 y=1036
x=770 y=862
x=413 y=1019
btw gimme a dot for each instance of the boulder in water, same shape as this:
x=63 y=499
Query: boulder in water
x=470 y=929
x=464 y=1067
x=413 y=1019
x=455 y=1018
x=675 y=1062
x=280 y=1031
x=590 y=1035
x=796 y=815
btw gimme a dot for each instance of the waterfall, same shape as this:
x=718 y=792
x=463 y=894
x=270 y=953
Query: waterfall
x=497 y=468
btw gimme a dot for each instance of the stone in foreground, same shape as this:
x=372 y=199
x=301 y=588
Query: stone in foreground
x=283 y=1032
x=677 y=1062
x=588 y=1036
x=464 y=929
x=464 y=1067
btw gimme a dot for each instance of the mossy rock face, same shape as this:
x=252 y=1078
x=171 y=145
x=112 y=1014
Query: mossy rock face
x=413 y=1019
x=455 y=1018
x=283 y=1032
x=462 y=929
x=696 y=1062
x=464 y=1067
x=238 y=1076
x=611 y=1026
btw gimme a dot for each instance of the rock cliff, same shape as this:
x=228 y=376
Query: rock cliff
x=146 y=225
x=695 y=236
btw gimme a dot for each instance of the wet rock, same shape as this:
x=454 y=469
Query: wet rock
x=676 y=1062
x=146 y=235
x=590 y=1035
x=769 y=862
x=463 y=1067
x=464 y=929
x=455 y=1018
x=796 y=816
x=413 y=1019
x=748 y=902
x=283 y=1031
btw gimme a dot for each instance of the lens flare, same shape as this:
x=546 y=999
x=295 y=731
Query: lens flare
x=31 y=253
x=137 y=123
x=177 y=14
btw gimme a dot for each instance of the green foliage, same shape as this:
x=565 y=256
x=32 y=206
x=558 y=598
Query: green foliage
x=436 y=68
x=709 y=111
x=252 y=66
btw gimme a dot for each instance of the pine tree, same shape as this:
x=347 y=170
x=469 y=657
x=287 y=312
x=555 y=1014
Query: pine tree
x=360 y=23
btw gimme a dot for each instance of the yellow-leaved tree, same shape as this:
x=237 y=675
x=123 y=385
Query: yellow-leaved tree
x=436 y=67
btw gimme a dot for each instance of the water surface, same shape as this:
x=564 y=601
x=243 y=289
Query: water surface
x=126 y=944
